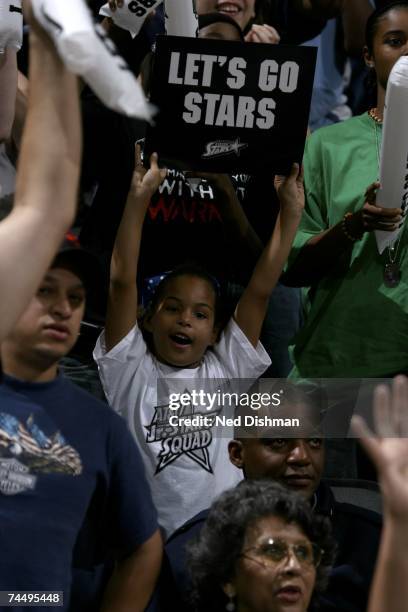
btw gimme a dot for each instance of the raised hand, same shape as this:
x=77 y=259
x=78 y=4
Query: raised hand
x=387 y=447
x=146 y=182
x=290 y=190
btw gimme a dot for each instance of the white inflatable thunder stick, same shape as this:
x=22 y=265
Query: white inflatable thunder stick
x=393 y=192
x=88 y=52
x=131 y=16
x=11 y=25
x=181 y=18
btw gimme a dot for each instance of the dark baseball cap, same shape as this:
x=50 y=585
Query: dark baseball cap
x=81 y=262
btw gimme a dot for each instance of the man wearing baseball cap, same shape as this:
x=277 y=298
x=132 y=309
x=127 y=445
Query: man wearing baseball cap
x=71 y=468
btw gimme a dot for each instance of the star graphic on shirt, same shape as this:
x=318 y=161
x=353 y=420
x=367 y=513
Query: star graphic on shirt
x=179 y=441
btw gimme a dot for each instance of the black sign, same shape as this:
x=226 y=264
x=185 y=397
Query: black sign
x=229 y=106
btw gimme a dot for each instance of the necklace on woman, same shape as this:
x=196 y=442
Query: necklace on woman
x=392 y=271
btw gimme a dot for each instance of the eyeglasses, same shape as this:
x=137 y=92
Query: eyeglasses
x=275 y=550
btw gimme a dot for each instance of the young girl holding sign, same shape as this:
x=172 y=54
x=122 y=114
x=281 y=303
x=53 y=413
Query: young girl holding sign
x=187 y=468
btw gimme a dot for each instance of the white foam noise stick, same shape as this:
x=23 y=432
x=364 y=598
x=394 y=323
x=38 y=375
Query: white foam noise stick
x=132 y=15
x=11 y=25
x=88 y=52
x=393 y=192
x=181 y=18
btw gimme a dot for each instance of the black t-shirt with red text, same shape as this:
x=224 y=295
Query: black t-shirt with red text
x=184 y=223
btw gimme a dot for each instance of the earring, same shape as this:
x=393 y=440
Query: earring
x=230 y=606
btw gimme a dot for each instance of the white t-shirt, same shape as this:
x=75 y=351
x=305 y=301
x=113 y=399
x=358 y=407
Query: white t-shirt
x=187 y=467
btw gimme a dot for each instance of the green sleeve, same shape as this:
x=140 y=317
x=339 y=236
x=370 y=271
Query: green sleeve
x=314 y=218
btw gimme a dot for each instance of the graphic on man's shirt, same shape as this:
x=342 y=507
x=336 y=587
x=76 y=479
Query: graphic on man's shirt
x=180 y=440
x=25 y=450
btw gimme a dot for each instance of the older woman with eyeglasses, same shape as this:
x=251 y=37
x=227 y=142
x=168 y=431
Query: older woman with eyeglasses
x=261 y=550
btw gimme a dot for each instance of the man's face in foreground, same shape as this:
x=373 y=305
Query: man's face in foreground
x=295 y=462
x=50 y=325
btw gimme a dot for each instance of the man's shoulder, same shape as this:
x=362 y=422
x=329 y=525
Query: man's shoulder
x=341 y=511
x=358 y=514
x=82 y=395
x=91 y=409
x=187 y=531
x=357 y=531
x=12 y=401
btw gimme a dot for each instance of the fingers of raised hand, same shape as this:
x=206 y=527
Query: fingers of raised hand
x=367 y=439
x=139 y=168
x=156 y=173
x=297 y=173
x=263 y=34
x=278 y=180
x=399 y=405
x=153 y=161
x=138 y=155
x=294 y=171
x=383 y=412
x=390 y=408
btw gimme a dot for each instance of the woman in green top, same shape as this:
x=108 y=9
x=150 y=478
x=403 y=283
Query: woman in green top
x=358 y=321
